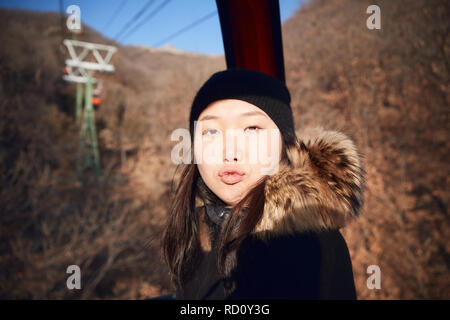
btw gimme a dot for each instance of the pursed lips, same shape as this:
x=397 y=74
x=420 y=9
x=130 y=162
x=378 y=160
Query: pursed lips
x=231 y=176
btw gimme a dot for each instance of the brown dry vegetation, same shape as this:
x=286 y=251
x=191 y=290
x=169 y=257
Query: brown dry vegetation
x=388 y=89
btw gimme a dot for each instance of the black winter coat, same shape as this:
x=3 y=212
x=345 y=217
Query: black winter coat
x=296 y=251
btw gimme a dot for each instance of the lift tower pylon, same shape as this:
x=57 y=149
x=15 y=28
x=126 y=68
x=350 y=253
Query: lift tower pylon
x=85 y=59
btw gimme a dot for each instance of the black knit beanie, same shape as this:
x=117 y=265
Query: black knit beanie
x=266 y=92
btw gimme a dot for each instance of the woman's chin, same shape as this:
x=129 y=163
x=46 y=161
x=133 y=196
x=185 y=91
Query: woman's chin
x=231 y=200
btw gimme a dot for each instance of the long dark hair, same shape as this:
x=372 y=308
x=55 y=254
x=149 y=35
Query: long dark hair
x=181 y=241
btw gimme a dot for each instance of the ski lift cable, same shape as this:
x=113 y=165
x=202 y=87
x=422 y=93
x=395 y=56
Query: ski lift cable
x=135 y=17
x=114 y=16
x=151 y=15
x=186 y=28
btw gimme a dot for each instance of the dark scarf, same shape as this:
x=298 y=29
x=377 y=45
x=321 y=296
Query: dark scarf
x=217 y=214
x=214 y=218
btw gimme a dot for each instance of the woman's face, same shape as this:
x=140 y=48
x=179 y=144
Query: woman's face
x=235 y=144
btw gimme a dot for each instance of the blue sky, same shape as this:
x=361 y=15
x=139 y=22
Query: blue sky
x=174 y=15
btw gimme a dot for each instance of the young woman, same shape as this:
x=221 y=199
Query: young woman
x=240 y=229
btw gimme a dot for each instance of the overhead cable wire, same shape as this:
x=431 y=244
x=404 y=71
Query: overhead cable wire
x=135 y=17
x=186 y=28
x=114 y=16
x=147 y=18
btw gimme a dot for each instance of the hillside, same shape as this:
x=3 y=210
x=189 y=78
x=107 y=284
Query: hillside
x=388 y=89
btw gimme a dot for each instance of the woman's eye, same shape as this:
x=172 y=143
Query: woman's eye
x=210 y=132
x=252 y=128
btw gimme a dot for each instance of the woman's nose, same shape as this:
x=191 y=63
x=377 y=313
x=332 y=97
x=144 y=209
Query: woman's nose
x=233 y=159
x=233 y=149
x=232 y=155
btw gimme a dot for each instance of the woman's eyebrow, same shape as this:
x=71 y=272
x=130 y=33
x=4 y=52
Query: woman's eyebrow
x=250 y=113
x=208 y=117
x=253 y=113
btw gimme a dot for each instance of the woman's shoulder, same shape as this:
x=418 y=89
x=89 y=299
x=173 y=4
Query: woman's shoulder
x=327 y=239
x=298 y=251
x=310 y=265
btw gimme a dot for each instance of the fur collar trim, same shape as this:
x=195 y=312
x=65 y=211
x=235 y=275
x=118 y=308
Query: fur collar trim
x=323 y=188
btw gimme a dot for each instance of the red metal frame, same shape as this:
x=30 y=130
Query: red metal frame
x=251 y=31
